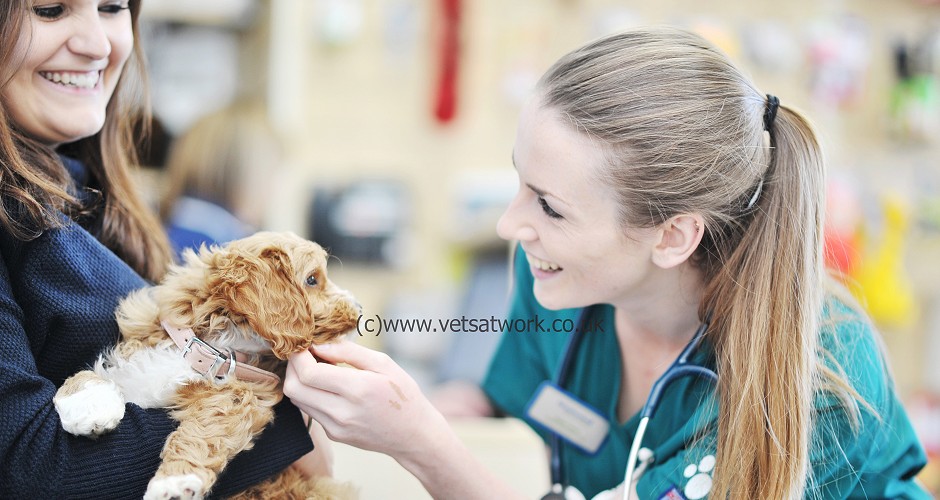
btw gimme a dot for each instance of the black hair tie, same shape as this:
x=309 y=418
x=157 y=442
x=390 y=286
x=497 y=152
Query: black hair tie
x=770 y=111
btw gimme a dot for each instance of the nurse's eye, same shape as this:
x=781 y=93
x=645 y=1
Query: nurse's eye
x=49 y=12
x=113 y=8
x=548 y=209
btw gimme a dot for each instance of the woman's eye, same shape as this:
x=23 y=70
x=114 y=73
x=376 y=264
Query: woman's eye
x=49 y=11
x=113 y=8
x=312 y=280
x=547 y=209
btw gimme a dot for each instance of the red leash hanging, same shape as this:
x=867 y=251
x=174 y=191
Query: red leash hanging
x=445 y=106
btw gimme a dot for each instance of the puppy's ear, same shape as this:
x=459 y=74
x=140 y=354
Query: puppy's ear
x=264 y=291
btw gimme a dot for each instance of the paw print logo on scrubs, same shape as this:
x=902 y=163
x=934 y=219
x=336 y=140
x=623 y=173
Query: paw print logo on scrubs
x=700 y=479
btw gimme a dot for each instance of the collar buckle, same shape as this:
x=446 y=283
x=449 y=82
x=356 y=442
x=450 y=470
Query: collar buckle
x=219 y=359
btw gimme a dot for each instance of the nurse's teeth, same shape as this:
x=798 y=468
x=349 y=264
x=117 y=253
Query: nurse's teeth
x=541 y=264
x=85 y=80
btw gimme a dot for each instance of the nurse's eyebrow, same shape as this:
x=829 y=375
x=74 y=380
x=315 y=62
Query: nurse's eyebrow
x=540 y=192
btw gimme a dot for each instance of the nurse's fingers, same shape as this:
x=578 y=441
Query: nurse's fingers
x=357 y=356
x=319 y=404
x=327 y=422
x=303 y=373
x=341 y=415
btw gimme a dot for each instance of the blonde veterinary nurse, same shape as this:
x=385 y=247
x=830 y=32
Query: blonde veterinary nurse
x=659 y=184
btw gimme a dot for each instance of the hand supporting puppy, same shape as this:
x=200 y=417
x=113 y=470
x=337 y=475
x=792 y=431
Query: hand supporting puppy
x=376 y=406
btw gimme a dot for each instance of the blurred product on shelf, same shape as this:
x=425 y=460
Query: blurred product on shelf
x=915 y=97
x=365 y=221
x=883 y=284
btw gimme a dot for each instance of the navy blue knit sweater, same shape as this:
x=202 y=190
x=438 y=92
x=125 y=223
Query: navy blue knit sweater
x=58 y=294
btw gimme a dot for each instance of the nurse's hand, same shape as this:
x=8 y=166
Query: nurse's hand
x=373 y=404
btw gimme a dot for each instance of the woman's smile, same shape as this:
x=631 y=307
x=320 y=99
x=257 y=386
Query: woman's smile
x=79 y=80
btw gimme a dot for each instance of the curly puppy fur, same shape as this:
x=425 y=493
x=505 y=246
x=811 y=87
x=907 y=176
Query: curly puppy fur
x=267 y=295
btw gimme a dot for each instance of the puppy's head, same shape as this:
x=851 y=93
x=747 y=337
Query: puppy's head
x=276 y=283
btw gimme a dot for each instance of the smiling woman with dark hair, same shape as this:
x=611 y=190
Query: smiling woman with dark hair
x=74 y=239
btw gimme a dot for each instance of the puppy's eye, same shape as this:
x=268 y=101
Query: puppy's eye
x=312 y=280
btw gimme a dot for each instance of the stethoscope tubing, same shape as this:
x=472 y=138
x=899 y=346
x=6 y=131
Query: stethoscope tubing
x=632 y=458
x=679 y=368
x=560 y=377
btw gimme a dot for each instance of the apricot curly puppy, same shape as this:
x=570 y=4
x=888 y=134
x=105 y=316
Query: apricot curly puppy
x=210 y=342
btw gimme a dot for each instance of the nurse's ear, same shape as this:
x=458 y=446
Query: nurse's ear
x=678 y=238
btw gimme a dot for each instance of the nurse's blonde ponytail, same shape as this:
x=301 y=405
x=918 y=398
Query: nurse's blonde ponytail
x=766 y=293
x=685 y=134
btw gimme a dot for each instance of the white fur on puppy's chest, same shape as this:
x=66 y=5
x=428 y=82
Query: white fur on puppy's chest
x=150 y=377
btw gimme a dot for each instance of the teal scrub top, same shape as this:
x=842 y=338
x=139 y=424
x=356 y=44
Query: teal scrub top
x=878 y=461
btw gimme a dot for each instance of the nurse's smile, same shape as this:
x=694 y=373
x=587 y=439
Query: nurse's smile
x=542 y=269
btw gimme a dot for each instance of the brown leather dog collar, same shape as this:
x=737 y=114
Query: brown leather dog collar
x=213 y=363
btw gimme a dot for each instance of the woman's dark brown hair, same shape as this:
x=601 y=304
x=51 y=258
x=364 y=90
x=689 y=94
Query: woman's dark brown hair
x=34 y=183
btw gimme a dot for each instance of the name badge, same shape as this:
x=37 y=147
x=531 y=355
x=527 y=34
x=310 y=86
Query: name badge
x=567 y=416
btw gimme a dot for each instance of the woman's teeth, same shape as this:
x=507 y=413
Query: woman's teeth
x=543 y=265
x=85 y=80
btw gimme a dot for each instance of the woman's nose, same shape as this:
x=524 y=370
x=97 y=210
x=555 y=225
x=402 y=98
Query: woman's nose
x=90 y=38
x=512 y=225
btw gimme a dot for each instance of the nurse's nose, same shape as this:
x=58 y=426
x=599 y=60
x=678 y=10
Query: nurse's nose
x=512 y=224
x=89 y=38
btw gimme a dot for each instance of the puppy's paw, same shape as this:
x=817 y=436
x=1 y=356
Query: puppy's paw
x=186 y=487
x=94 y=410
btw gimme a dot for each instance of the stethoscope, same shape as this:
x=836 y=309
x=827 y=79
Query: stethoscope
x=679 y=368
